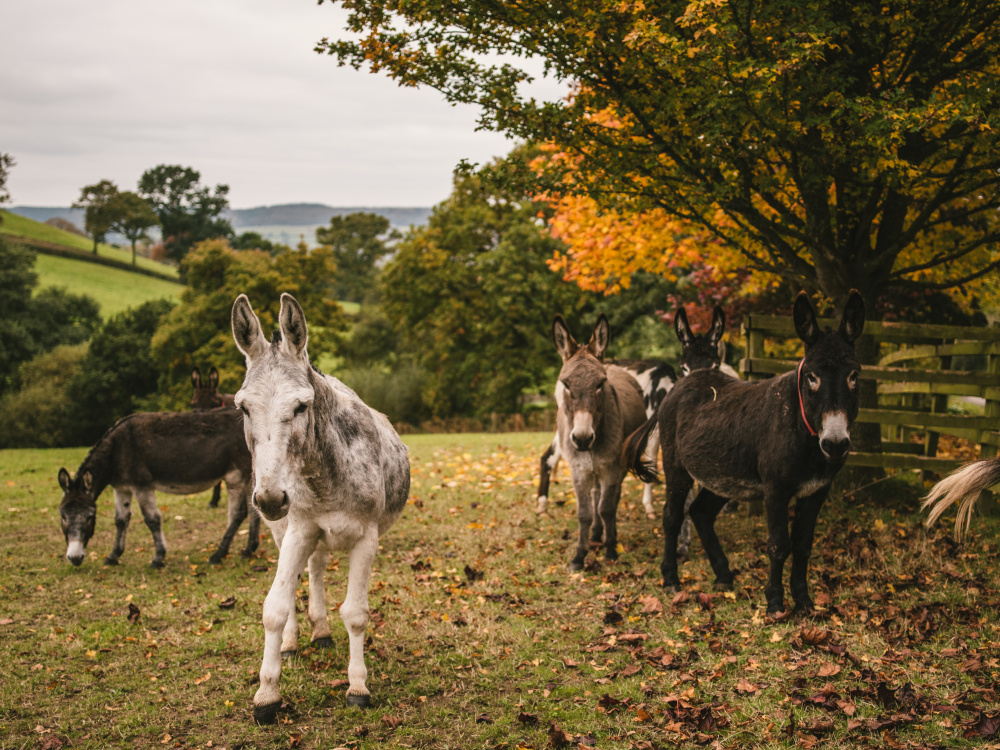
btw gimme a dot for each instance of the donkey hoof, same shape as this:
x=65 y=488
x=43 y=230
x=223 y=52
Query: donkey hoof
x=326 y=642
x=650 y=515
x=266 y=714
x=246 y=554
x=723 y=585
x=576 y=565
x=289 y=654
x=360 y=700
x=109 y=560
x=216 y=558
x=156 y=563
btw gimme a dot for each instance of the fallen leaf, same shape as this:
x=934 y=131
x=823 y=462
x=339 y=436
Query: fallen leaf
x=828 y=670
x=745 y=686
x=133 y=613
x=680 y=598
x=295 y=739
x=200 y=680
x=651 y=605
x=484 y=719
x=391 y=721
x=6 y=621
x=557 y=737
x=525 y=718
x=228 y=603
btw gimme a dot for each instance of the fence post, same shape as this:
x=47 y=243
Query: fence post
x=987 y=500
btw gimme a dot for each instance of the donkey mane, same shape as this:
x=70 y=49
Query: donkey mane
x=102 y=449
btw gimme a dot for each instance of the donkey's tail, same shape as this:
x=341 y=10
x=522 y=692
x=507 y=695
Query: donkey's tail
x=962 y=486
x=635 y=449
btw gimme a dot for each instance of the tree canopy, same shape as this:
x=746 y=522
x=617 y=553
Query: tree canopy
x=830 y=143
x=132 y=216
x=189 y=212
x=6 y=164
x=359 y=242
x=98 y=201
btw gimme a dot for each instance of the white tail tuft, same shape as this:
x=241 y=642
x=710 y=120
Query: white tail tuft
x=964 y=485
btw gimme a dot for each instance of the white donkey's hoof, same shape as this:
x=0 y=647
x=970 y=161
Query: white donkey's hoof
x=542 y=504
x=359 y=700
x=650 y=515
x=266 y=714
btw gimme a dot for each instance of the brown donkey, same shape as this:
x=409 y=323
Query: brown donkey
x=599 y=406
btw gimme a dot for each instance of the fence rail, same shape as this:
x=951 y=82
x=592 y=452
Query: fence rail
x=915 y=377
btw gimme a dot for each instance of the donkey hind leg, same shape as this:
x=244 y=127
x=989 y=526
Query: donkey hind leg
x=123 y=514
x=317 y=598
x=151 y=515
x=778 y=548
x=652 y=449
x=253 y=535
x=803 y=529
x=684 y=540
x=547 y=464
x=354 y=613
x=585 y=489
x=704 y=509
x=607 y=509
x=678 y=485
x=216 y=495
x=237 y=505
x=279 y=608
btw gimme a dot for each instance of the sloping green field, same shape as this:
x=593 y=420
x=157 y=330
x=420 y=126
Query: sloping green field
x=20 y=226
x=114 y=289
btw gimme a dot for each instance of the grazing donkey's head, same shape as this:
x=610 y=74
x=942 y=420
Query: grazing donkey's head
x=827 y=377
x=580 y=388
x=78 y=513
x=703 y=351
x=276 y=400
x=206 y=393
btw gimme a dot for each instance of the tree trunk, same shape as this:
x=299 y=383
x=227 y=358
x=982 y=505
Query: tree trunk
x=133 y=252
x=95 y=244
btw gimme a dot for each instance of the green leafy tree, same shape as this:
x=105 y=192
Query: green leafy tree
x=836 y=145
x=256 y=241
x=98 y=201
x=6 y=164
x=198 y=330
x=359 y=241
x=33 y=324
x=35 y=415
x=117 y=375
x=132 y=216
x=189 y=212
x=473 y=299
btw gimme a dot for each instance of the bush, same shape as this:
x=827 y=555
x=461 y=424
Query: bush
x=397 y=393
x=36 y=415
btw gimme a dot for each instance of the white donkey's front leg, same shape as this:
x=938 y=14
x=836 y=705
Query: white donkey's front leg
x=652 y=449
x=279 y=607
x=354 y=612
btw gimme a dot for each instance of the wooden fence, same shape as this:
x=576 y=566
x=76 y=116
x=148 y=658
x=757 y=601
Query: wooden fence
x=915 y=378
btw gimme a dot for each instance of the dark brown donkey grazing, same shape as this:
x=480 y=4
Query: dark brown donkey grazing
x=204 y=397
x=598 y=407
x=775 y=440
x=177 y=453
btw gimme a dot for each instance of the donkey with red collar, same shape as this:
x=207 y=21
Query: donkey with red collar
x=779 y=439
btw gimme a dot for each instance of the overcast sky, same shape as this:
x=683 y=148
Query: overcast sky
x=107 y=89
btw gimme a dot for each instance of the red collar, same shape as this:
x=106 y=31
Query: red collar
x=802 y=407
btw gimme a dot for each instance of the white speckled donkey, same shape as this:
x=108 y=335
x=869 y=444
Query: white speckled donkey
x=330 y=474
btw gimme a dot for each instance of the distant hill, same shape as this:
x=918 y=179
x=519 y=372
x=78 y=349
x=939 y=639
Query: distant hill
x=287 y=223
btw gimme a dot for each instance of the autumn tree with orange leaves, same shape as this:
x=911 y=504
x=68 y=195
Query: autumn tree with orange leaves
x=834 y=145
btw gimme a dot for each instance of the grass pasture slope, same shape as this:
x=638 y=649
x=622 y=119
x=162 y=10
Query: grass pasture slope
x=481 y=638
x=20 y=226
x=113 y=288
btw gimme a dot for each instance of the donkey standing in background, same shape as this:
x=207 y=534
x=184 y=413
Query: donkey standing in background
x=178 y=453
x=655 y=377
x=330 y=474
x=778 y=439
x=598 y=407
x=206 y=396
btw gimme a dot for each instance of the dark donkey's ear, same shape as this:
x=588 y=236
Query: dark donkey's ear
x=64 y=479
x=718 y=326
x=294 y=333
x=682 y=327
x=804 y=318
x=213 y=379
x=88 y=481
x=565 y=343
x=196 y=378
x=600 y=338
x=853 y=321
x=246 y=329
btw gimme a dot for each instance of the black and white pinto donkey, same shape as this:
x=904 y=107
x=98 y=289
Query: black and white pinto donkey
x=599 y=406
x=702 y=351
x=177 y=453
x=964 y=487
x=779 y=439
x=330 y=473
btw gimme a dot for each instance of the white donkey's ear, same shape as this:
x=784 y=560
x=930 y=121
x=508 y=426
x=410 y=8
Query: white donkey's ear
x=246 y=330
x=294 y=332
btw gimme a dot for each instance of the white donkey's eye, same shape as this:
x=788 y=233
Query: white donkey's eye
x=300 y=409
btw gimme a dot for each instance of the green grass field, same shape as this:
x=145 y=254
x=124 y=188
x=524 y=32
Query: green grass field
x=24 y=227
x=481 y=638
x=114 y=289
